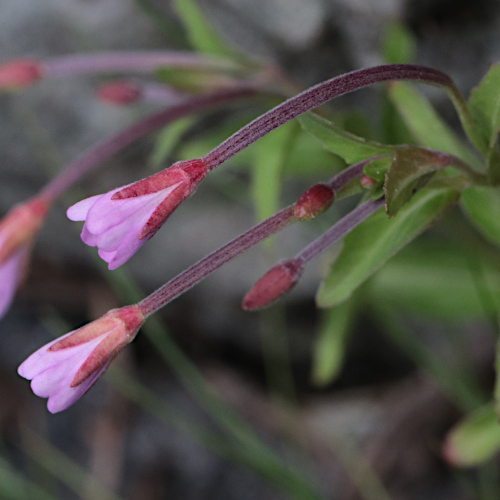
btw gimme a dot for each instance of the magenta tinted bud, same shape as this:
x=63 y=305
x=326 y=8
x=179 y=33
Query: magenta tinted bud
x=368 y=182
x=119 y=92
x=314 y=202
x=279 y=280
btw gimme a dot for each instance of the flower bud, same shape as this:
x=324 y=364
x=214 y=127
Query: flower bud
x=368 y=182
x=314 y=202
x=119 y=92
x=20 y=226
x=19 y=73
x=279 y=280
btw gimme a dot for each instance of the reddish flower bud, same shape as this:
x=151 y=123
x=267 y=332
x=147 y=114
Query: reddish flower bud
x=119 y=92
x=280 y=279
x=314 y=202
x=19 y=73
x=20 y=226
x=367 y=182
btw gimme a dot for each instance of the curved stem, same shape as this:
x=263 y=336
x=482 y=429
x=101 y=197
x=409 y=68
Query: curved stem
x=143 y=62
x=323 y=92
x=210 y=263
x=340 y=229
x=109 y=147
x=193 y=275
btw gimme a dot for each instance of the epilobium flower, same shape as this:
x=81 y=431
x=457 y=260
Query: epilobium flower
x=65 y=369
x=17 y=233
x=121 y=221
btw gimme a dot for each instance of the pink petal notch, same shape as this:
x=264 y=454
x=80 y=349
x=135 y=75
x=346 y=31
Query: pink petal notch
x=18 y=230
x=65 y=369
x=119 y=222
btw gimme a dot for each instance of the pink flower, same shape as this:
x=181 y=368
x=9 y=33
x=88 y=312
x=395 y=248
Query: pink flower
x=121 y=221
x=17 y=233
x=65 y=369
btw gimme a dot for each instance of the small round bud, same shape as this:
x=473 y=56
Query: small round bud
x=314 y=202
x=19 y=73
x=368 y=182
x=119 y=93
x=280 y=279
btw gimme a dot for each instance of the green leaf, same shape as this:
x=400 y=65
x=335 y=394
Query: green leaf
x=377 y=169
x=497 y=381
x=399 y=45
x=192 y=79
x=344 y=144
x=307 y=156
x=425 y=124
x=375 y=240
x=200 y=33
x=272 y=151
x=439 y=280
x=330 y=345
x=482 y=205
x=410 y=170
x=168 y=138
x=475 y=439
x=484 y=105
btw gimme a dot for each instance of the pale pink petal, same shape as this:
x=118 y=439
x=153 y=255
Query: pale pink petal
x=67 y=395
x=49 y=381
x=42 y=358
x=106 y=256
x=57 y=368
x=10 y=274
x=111 y=239
x=106 y=213
x=128 y=247
x=79 y=210
x=87 y=237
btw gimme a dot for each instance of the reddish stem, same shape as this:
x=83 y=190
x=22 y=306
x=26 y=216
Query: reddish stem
x=191 y=276
x=108 y=148
x=317 y=95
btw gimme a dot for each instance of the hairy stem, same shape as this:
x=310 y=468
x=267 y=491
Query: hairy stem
x=323 y=92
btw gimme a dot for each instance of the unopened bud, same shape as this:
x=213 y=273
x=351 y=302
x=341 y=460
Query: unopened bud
x=19 y=73
x=368 y=182
x=119 y=92
x=314 y=202
x=279 y=280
